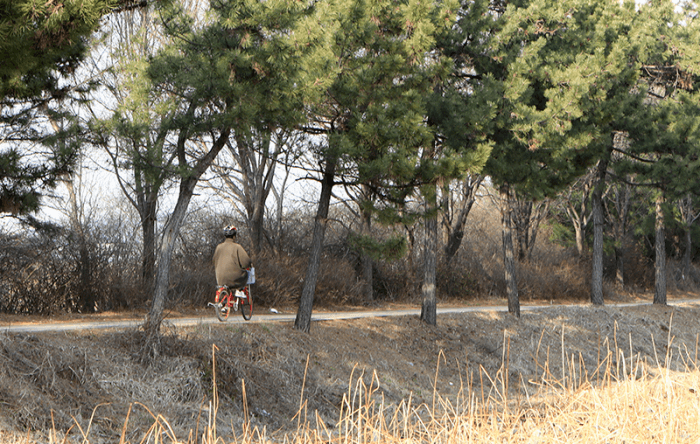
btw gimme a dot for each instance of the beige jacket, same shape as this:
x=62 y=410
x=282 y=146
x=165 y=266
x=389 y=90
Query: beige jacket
x=230 y=263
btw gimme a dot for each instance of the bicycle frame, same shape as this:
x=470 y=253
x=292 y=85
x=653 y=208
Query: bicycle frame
x=226 y=299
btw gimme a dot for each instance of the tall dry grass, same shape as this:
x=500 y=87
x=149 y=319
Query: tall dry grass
x=625 y=399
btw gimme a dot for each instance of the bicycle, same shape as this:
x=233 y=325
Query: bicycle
x=226 y=299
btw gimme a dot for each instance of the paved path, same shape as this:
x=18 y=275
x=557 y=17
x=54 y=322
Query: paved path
x=235 y=318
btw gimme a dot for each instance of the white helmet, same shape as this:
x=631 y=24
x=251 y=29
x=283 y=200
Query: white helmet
x=230 y=231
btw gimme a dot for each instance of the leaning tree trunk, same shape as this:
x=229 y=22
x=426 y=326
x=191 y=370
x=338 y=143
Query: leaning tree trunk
x=257 y=226
x=508 y=251
x=597 y=204
x=170 y=234
x=162 y=278
x=660 y=250
x=256 y=184
x=303 y=318
x=428 y=313
x=148 y=256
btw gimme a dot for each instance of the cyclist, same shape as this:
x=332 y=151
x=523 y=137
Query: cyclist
x=231 y=262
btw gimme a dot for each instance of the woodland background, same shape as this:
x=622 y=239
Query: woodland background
x=369 y=150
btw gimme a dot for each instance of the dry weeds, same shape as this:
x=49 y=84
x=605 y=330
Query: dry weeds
x=573 y=374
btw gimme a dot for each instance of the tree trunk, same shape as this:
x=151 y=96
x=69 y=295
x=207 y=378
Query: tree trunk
x=688 y=253
x=255 y=157
x=688 y=216
x=411 y=279
x=148 y=255
x=428 y=312
x=256 y=226
x=508 y=251
x=579 y=220
x=162 y=277
x=580 y=245
x=171 y=230
x=660 y=250
x=303 y=318
x=86 y=297
x=279 y=213
x=598 y=225
x=579 y=214
x=366 y=260
x=521 y=212
x=525 y=220
x=455 y=229
x=620 y=267
x=541 y=211
x=256 y=181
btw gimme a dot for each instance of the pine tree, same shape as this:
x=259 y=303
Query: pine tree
x=373 y=118
x=131 y=134
x=568 y=75
x=665 y=142
x=41 y=46
x=254 y=63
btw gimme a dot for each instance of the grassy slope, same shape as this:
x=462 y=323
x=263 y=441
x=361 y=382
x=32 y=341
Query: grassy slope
x=55 y=381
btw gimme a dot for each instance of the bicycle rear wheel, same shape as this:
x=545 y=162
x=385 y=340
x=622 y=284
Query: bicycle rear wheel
x=247 y=304
x=222 y=309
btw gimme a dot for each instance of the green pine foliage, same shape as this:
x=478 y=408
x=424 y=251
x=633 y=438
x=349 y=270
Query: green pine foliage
x=41 y=44
x=374 y=112
x=41 y=41
x=568 y=72
x=389 y=249
x=664 y=142
x=255 y=64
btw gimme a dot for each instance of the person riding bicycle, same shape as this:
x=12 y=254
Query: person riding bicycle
x=231 y=261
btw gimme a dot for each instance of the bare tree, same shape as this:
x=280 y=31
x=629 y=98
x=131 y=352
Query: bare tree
x=526 y=218
x=457 y=201
x=689 y=215
x=616 y=202
x=245 y=175
x=577 y=203
x=127 y=121
x=279 y=191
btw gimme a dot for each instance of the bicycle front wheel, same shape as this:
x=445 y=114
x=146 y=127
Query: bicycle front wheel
x=222 y=309
x=247 y=304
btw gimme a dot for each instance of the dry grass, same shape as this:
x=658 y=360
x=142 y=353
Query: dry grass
x=659 y=407
x=625 y=398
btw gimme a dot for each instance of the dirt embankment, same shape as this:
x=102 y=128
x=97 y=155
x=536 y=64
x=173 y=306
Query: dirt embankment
x=53 y=381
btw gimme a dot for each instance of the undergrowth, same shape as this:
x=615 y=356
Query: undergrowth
x=625 y=399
